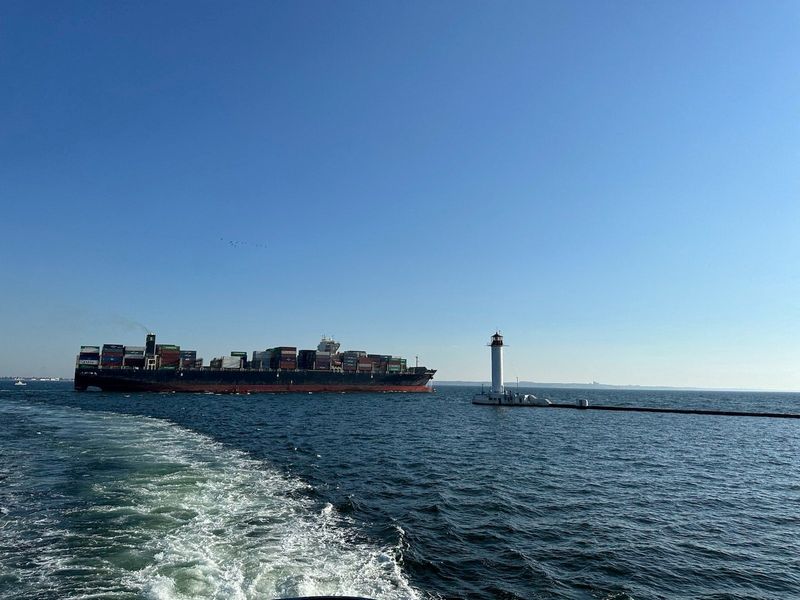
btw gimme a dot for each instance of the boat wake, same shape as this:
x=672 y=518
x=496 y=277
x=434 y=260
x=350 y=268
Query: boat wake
x=103 y=504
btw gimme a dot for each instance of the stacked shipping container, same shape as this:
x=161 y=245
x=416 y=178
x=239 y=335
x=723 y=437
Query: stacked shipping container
x=169 y=356
x=284 y=358
x=89 y=357
x=350 y=360
x=188 y=358
x=243 y=356
x=133 y=357
x=112 y=356
x=231 y=362
x=322 y=360
x=306 y=359
x=261 y=359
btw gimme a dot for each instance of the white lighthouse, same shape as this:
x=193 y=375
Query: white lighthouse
x=498 y=395
x=497 y=363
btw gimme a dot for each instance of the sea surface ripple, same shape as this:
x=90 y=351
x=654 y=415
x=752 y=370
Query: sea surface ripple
x=395 y=496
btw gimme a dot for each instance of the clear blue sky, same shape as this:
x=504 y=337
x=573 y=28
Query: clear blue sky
x=613 y=184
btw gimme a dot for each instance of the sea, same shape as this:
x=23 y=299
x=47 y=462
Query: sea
x=395 y=496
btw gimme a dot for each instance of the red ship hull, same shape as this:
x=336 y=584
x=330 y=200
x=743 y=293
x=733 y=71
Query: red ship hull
x=251 y=382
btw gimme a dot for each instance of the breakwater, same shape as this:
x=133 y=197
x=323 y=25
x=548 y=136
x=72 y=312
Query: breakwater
x=680 y=411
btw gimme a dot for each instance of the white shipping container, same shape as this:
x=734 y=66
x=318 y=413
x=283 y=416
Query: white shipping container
x=231 y=362
x=88 y=362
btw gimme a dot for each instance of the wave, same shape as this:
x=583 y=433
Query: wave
x=141 y=507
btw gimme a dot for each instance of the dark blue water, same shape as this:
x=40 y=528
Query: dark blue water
x=395 y=496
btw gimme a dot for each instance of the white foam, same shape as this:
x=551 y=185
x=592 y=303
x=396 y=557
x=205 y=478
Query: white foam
x=216 y=523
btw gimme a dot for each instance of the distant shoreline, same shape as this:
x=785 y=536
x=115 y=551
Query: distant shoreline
x=23 y=378
x=609 y=386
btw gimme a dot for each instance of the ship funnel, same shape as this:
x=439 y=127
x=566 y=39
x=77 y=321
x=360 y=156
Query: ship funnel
x=150 y=345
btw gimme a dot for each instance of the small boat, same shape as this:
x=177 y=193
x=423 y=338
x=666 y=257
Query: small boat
x=20 y=382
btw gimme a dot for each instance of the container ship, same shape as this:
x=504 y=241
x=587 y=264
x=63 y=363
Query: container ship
x=167 y=368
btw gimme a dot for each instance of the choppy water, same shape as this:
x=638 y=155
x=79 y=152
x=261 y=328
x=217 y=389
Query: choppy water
x=394 y=496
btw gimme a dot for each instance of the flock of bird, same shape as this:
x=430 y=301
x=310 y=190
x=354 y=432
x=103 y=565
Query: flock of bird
x=240 y=243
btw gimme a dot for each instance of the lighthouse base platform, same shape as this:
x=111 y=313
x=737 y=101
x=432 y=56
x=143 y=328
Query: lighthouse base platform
x=509 y=399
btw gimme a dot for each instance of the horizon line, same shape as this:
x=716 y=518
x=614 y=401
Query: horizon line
x=617 y=386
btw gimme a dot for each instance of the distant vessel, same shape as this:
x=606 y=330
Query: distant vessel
x=20 y=382
x=498 y=395
x=166 y=368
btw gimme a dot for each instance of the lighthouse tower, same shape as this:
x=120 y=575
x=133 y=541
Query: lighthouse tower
x=497 y=363
x=498 y=395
